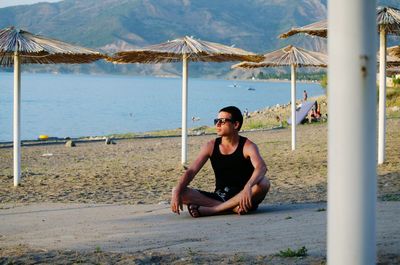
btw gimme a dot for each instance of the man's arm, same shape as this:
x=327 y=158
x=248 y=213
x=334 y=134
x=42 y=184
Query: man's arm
x=190 y=173
x=260 y=169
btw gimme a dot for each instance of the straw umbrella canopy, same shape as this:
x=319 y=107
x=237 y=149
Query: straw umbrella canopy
x=394 y=51
x=185 y=49
x=319 y=29
x=21 y=47
x=391 y=58
x=388 y=21
x=294 y=57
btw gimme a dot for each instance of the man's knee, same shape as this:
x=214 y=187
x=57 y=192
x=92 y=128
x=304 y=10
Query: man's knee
x=186 y=193
x=263 y=186
x=261 y=190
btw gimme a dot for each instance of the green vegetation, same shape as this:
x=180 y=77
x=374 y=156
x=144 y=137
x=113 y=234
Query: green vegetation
x=258 y=124
x=98 y=249
x=393 y=96
x=391 y=197
x=301 y=252
x=317 y=76
x=324 y=82
x=396 y=82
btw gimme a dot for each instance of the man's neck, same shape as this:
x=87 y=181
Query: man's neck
x=230 y=139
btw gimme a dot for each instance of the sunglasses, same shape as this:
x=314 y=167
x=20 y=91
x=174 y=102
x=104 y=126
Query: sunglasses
x=221 y=121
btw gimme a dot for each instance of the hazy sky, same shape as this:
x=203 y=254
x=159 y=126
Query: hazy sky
x=4 y=3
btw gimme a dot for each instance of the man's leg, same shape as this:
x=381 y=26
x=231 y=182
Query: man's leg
x=259 y=191
x=192 y=196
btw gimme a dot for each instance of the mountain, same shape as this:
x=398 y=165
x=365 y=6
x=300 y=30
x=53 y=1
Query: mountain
x=113 y=25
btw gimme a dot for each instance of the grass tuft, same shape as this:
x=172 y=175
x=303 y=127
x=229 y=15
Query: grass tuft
x=289 y=253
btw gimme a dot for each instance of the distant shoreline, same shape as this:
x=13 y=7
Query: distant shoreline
x=273 y=80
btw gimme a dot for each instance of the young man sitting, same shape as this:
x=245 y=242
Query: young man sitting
x=240 y=172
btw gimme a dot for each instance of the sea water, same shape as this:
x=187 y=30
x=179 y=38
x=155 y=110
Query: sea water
x=91 y=105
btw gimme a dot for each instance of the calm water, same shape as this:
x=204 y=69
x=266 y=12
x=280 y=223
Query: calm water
x=82 y=105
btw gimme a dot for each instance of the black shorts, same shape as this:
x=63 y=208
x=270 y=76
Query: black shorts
x=221 y=195
x=225 y=194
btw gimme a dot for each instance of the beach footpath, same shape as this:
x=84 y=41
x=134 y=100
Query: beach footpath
x=154 y=229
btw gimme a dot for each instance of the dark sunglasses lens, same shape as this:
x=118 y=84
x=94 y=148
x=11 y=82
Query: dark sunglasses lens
x=216 y=121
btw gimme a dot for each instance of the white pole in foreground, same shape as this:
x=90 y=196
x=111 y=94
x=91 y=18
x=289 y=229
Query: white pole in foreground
x=382 y=96
x=351 y=132
x=293 y=92
x=184 y=108
x=17 y=118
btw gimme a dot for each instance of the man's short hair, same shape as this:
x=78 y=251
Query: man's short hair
x=235 y=113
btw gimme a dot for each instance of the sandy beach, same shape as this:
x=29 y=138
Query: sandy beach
x=143 y=171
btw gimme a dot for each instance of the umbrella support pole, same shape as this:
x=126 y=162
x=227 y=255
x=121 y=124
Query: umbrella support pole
x=351 y=222
x=382 y=96
x=184 y=108
x=17 y=120
x=293 y=93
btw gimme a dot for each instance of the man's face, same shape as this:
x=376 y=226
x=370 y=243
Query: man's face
x=224 y=124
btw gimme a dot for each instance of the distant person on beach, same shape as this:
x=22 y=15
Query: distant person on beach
x=246 y=113
x=240 y=172
x=314 y=114
x=305 y=95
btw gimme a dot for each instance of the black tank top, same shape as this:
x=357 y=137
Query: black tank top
x=232 y=170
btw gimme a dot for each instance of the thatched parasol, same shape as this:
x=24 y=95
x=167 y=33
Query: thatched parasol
x=388 y=21
x=391 y=59
x=319 y=29
x=19 y=46
x=35 y=49
x=294 y=57
x=394 y=51
x=185 y=49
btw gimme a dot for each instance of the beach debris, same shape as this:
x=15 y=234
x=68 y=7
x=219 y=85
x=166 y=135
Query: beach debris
x=47 y=154
x=109 y=140
x=70 y=143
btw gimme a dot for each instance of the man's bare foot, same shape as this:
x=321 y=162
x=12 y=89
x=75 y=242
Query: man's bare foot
x=194 y=210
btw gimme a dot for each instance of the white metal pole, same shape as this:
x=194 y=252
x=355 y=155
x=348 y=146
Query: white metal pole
x=17 y=120
x=184 y=108
x=382 y=96
x=351 y=132
x=293 y=92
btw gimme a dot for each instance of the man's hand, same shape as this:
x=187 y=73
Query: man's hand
x=245 y=200
x=176 y=201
